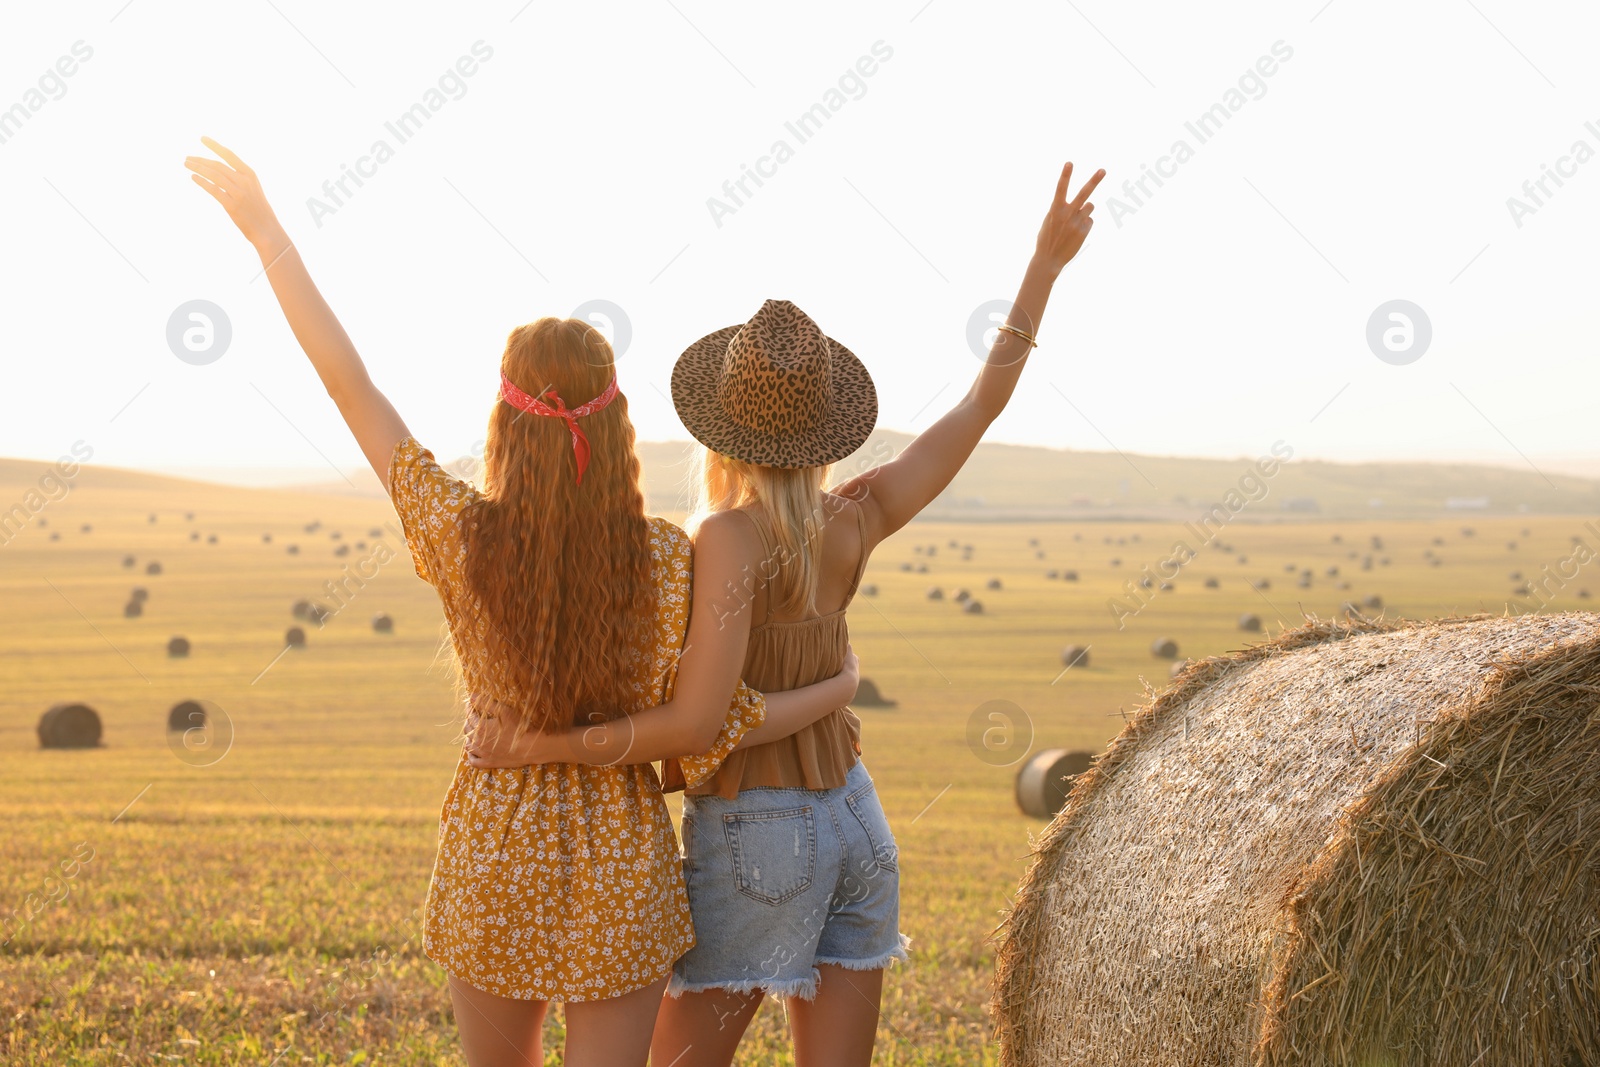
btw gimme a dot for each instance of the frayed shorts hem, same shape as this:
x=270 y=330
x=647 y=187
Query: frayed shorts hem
x=801 y=988
x=899 y=954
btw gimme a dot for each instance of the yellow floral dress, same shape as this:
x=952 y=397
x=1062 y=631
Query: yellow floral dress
x=561 y=881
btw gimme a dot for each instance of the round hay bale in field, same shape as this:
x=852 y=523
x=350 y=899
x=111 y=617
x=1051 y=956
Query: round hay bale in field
x=962 y=596
x=301 y=609
x=1069 y=576
x=1044 y=781
x=973 y=607
x=867 y=696
x=905 y=566
x=211 y=539
x=178 y=647
x=152 y=516
x=342 y=550
x=139 y=593
x=935 y=593
x=70 y=726
x=129 y=561
x=1052 y=575
x=266 y=539
x=294 y=550
x=194 y=536
x=152 y=568
x=295 y=637
x=869 y=590
x=186 y=715
x=1250 y=622
x=86 y=528
x=1211 y=583
x=382 y=623
x=1357 y=844
x=1165 y=587
x=188 y=516
x=1075 y=656
x=992 y=583
x=1372 y=602
x=55 y=535
x=1178 y=668
x=133 y=609
x=1164 y=648
x=376 y=531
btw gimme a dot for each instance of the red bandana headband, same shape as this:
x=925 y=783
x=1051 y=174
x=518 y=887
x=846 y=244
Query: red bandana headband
x=534 y=406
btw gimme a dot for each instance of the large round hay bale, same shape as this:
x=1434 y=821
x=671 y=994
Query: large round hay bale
x=1164 y=648
x=973 y=607
x=1043 y=781
x=295 y=637
x=128 y=561
x=869 y=590
x=1357 y=844
x=1075 y=656
x=186 y=715
x=152 y=567
x=867 y=696
x=1250 y=622
x=133 y=609
x=382 y=623
x=69 y=726
x=178 y=647
x=935 y=593
x=992 y=583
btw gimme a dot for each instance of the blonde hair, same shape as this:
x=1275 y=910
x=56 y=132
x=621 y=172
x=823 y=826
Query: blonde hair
x=791 y=506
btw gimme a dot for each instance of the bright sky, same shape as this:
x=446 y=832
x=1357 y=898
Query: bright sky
x=1367 y=154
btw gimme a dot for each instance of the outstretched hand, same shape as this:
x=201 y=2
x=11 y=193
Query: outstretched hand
x=1068 y=224
x=235 y=186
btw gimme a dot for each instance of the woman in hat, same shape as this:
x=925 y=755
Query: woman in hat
x=790 y=862
x=567 y=603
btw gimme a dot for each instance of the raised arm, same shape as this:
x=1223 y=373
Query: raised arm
x=725 y=552
x=368 y=413
x=895 y=492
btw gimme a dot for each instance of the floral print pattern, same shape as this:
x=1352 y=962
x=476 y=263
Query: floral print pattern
x=555 y=882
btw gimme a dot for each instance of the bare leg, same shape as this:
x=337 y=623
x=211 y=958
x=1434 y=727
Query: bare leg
x=497 y=1031
x=702 y=1029
x=838 y=1028
x=614 y=1032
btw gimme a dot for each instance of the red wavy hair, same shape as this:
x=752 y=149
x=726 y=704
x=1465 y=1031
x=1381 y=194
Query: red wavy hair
x=561 y=571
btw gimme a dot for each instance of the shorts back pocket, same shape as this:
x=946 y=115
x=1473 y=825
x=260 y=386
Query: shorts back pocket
x=774 y=852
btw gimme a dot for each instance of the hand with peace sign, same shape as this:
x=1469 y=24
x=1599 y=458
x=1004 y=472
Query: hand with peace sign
x=1068 y=223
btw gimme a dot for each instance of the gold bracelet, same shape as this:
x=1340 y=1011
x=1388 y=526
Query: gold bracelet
x=1008 y=328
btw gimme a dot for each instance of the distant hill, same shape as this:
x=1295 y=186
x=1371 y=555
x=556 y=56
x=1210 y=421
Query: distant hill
x=1015 y=482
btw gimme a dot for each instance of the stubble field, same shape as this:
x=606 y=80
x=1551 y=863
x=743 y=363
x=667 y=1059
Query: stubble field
x=253 y=895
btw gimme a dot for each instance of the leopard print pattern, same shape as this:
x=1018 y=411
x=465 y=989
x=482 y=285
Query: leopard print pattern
x=775 y=391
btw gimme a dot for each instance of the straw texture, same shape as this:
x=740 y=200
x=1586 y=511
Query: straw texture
x=1367 y=844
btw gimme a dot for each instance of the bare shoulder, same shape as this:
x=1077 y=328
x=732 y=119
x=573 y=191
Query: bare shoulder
x=729 y=534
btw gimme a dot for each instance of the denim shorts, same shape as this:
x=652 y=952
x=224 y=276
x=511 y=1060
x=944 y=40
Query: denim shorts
x=781 y=880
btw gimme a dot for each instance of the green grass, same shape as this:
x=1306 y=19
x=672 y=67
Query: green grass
x=265 y=903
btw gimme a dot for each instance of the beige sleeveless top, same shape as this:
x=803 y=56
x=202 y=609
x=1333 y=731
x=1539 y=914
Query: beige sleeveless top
x=787 y=655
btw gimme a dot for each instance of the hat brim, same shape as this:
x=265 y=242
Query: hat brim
x=853 y=412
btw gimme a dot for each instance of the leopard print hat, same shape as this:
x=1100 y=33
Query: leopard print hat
x=775 y=391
